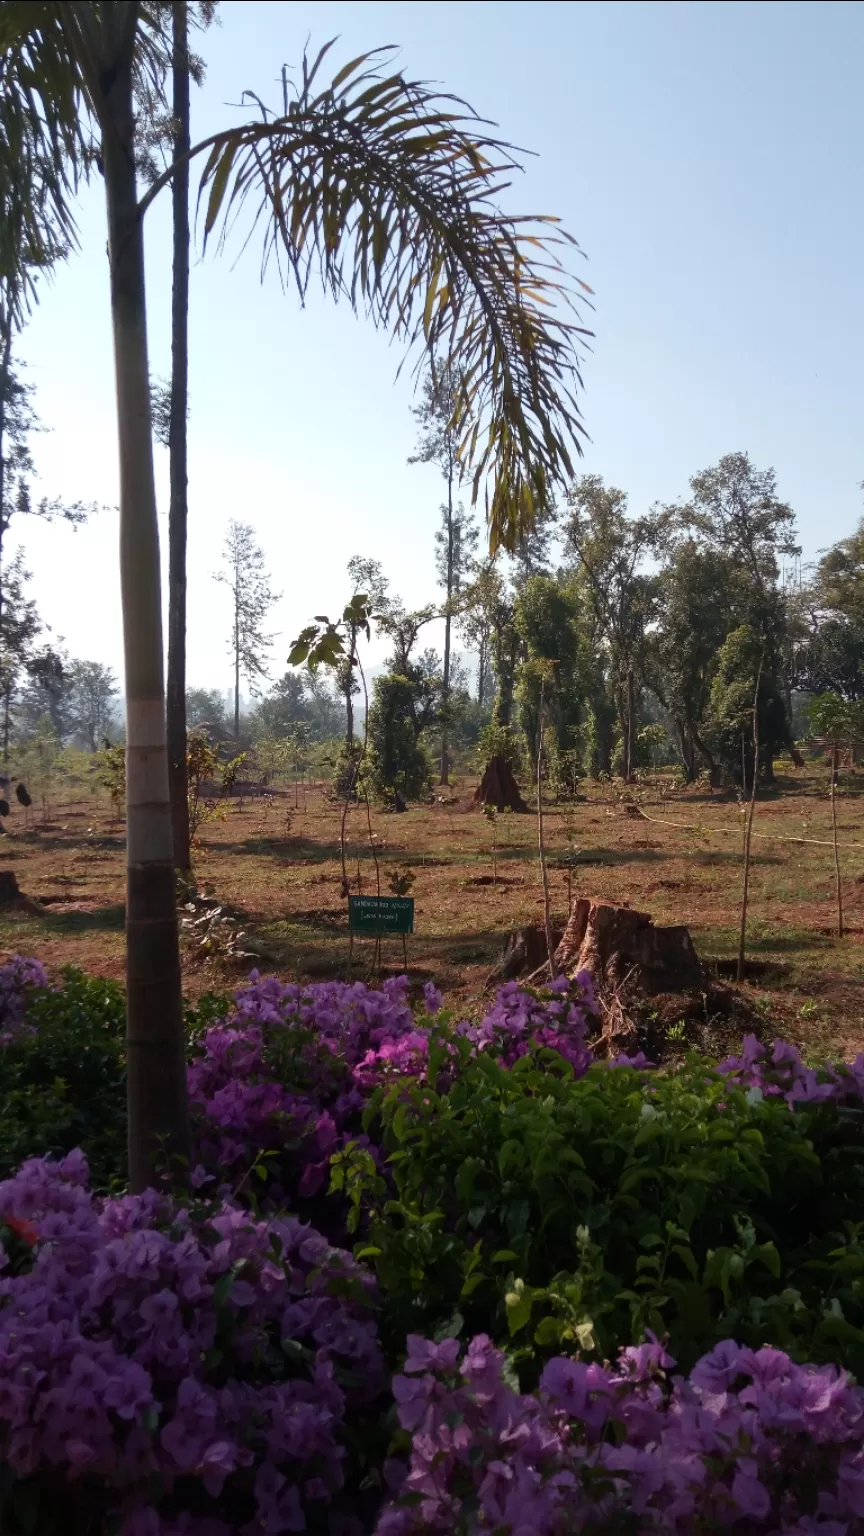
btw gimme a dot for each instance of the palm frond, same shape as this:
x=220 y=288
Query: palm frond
x=40 y=148
x=390 y=192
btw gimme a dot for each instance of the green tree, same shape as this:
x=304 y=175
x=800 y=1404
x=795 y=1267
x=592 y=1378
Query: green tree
x=93 y=694
x=456 y=538
x=610 y=549
x=840 y=577
x=737 y=515
x=246 y=578
x=829 y=657
x=205 y=706
x=403 y=183
x=19 y=627
x=837 y=720
x=506 y=646
x=740 y=665
x=18 y=425
x=695 y=600
x=47 y=691
x=397 y=761
x=477 y=619
x=547 y=618
x=368 y=595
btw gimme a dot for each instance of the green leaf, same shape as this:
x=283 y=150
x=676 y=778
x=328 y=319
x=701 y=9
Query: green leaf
x=518 y=1310
x=687 y=1259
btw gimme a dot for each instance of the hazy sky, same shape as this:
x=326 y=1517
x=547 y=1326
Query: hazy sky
x=708 y=159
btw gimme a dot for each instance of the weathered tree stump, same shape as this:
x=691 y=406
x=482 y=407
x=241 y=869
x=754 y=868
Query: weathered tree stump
x=525 y=952
x=624 y=950
x=498 y=787
x=9 y=891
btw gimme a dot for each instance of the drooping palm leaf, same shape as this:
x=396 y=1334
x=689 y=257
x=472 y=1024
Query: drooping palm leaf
x=390 y=192
x=40 y=149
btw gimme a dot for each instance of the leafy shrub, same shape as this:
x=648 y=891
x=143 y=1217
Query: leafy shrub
x=196 y=1369
x=187 y=1360
x=62 y=1069
x=576 y=1211
x=397 y=760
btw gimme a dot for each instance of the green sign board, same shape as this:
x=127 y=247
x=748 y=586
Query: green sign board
x=381 y=914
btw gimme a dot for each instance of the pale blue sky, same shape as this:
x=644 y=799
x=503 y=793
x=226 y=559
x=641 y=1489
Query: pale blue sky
x=708 y=159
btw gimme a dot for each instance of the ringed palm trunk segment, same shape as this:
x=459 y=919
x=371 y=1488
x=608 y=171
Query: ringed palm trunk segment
x=177 y=445
x=158 y=1119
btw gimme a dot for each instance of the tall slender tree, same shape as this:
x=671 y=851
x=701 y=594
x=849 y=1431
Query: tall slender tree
x=610 y=548
x=245 y=576
x=457 y=536
x=403 y=182
x=178 y=510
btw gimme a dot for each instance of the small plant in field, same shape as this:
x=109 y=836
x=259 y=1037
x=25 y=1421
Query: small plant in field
x=230 y=774
x=837 y=720
x=213 y=935
x=401 y=881
x=676 y=1031
x=202 y=762
x=111 y=775
x=491 y=814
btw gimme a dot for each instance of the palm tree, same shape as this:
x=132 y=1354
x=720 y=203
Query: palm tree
x=178 y=511
x=389 y=192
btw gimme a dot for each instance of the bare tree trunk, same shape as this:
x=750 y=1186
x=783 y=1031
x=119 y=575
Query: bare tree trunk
x=237 y=656
x=448 y=620
x=834 y=840
x=177 y=448
x=349 y=719
x=481 y=674
x=158 y=1116
x=748 y=831
x=5 y=365
x=7 y=719
x=541 y=843
x=629 y=760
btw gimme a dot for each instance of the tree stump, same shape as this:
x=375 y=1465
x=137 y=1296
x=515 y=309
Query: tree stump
x=9 y=891
x=498 y=787
x=625 y=952
x=525 y=952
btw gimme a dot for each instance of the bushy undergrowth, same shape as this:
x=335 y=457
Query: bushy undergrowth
x=524 y=1215
x=62 y=1069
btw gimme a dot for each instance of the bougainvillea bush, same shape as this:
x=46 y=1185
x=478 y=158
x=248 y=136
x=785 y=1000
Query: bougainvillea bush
x=169 y=1367
x=282 y=1083
x=749 y=1441
x=523 y=1219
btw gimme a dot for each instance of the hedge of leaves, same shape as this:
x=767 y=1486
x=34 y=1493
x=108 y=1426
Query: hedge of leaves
x=526 y=1225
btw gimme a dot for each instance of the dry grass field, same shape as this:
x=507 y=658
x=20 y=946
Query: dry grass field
x=274 y=867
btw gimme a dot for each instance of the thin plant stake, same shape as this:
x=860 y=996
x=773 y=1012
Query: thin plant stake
x=547 y=919
x=834 y=840
x=742 y=937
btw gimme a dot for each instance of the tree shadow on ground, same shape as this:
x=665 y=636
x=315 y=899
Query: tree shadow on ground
x=291 y=848
x=110 y=918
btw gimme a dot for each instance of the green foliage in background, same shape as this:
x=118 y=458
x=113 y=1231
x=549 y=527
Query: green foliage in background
x=559 y=1214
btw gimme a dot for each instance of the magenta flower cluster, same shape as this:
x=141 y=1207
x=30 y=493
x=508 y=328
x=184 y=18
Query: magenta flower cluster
x=18 y=977
x=778 y=1071
x=749 y=1441
x=147 y=1345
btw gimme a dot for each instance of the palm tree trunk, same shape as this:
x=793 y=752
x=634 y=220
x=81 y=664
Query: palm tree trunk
x=158 y=1116
x=177 y=448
